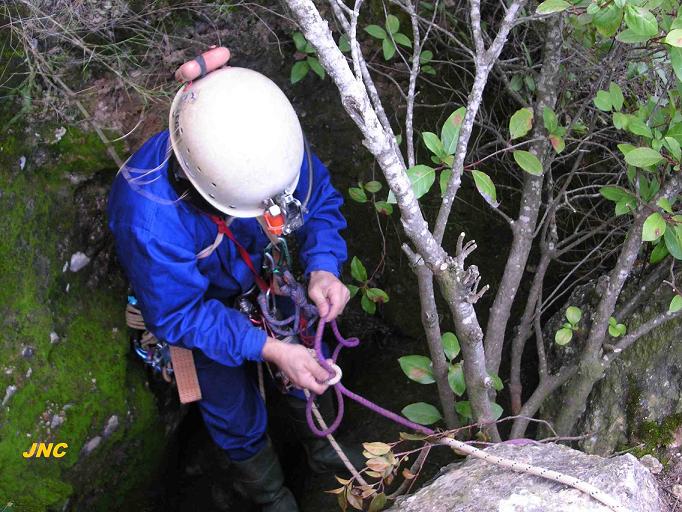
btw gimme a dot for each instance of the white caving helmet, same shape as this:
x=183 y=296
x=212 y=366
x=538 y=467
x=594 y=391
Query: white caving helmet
x=239 y=141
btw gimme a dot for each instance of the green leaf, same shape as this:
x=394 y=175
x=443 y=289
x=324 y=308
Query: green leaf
x=450 y=345
x=530 y=82
x=430 y=70
x=673 y=146
x=358 y=270
x=367 y=305
x=620 y=120
x=485 y=187
x=675 y=131
x=603 y=101
x=377 y=295
x=449 y=133
x=625 y=206
x=425 y=57
x=422 y=177
x=629 y=36
x=299 y=41
x=344 y=43
x=643 y=157
x=464 y=410
x=659 y=252
x=615 y=194
x=388 y=48
x=616 y=94
x=392 y=24
x=563 y=336
x=664 y=203
x=443 y=180
x=456 y=379
x=677 y=22
x=402 y=40
x=654 y=227
x=498 y=385
x=528 y=162
x=417 y=368
x=497 y=411
x=298 y=71
x=378 y=502
x=373 y=186
x=520 y=123
x=316 y=67
x=376 y=31
x=675 y=304
x=352 y=289
x=516 y=83
x=357 y=194
x=434 y=143
x=383 y=207
x=676 y=61
x=638 y=127
x=550 y=120
x=573 y=315
x=672 y=243
x=550 y=6
x=607 y=21
x=641 y=21
x=422 y=413
x=617 y=330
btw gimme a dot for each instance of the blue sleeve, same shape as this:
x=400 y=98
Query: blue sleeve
x=171 y=289
x=321 y=247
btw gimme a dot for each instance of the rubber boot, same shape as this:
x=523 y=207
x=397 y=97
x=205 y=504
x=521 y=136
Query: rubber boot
x=260 y=478
x=322 y=458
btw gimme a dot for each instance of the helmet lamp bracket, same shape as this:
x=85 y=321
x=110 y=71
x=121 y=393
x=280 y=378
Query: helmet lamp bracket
x=290 y=210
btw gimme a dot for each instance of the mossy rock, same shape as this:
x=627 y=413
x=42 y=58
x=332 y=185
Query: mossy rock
x=67 y=389
x=637 y=406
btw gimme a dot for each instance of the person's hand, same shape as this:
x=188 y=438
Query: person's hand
x=214 y=57
x=328 y=293
x=298 y=364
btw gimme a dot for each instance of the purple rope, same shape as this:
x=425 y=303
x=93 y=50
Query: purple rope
x=342 y=391
x=291 y=288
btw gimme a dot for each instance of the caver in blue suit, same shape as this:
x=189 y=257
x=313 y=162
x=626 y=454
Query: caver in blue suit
x=184 y=300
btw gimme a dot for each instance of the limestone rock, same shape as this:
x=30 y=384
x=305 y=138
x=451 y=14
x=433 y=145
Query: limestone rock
x=478 y=486
x=639 y=401
x=652 y=464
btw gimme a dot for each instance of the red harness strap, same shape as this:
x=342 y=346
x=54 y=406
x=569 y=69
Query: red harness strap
x=222 y=228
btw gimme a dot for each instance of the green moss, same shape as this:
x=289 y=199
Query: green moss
x=88 y=370
x=654 y=438
x=81 y=151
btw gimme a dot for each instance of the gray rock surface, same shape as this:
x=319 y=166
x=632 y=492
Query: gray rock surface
x=477 y=486
x=642 y=387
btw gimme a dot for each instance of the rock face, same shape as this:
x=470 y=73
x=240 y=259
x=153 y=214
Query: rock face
x=477 y=486
x=639 y=401
x=64 y=368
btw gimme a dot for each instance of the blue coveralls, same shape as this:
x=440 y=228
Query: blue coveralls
x=184 y=299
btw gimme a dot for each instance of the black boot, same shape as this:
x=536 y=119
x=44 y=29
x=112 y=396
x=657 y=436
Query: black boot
x=260 y=478
x=322 y=458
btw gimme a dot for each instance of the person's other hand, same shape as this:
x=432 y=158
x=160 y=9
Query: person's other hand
x=298 y=364
x=328 y=293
